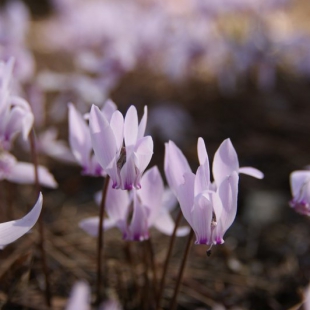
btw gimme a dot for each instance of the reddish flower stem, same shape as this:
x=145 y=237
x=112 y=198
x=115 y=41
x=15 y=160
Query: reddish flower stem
x=101 y=239
x=182 y=268
x=48 y=297
x=163 y=277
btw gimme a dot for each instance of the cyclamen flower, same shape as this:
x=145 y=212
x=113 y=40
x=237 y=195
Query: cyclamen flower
x=151 y=206
x=80 y=140
x=23 y=173
x=120 y=146
x=11 y=231
x=300 y=187
x=15 y=112
x=209 y=208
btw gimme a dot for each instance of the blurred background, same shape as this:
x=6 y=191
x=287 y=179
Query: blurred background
x=211 y=69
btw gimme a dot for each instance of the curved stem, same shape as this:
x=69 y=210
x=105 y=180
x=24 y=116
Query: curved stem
x=177 y=287
x=163 y=277
x=100 y=239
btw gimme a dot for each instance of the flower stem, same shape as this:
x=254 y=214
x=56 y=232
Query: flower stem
x=163 y=277
x=177 y=286
x=100 y=239
x=41 y=224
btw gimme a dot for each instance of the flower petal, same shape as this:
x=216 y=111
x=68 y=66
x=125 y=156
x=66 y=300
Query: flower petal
x=139 y=223
x=79 y=297
x=185 y=195
x=79 y=137
x=165 y=224
x=117 y=126
x=225 y=161
x=228 y=192
x=142 y=125
x=23 y=173
x=176 y=166
x=201 y=214
x=108 y=109
x=143 y=152
x=253 y=172
x=90 y=225
x=151 y=192
x=298 y=179
x=11 y=231
x=131 y=126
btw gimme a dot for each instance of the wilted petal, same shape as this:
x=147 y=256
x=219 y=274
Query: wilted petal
x=23 y=173
x=11 y=231
x=253 y=172
x=131 y=126
x=176 y=166
x=79 y=297
x=225 y=161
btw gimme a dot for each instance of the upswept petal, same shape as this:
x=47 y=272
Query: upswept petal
x=117 y=204
x=151 y=192
x=108 y=109
x=201 y=214
x=225 y=161
x=139 y=226
x=298 y=179
x=129 y=174
x=202 y=152
x=11 y=231
x=142 y=125
x=131 y=126
x=14 y=123
x=79 y=136
x=185 y=195
x=23 y=173
x=175 y=166
x=169 y=200
x=165 y=224
x=90 y=225
x=202 y=183
x=113 y=172
x=102 y=137
x=143 y=153
x=228 y=192
x=253 y=172
x=117 y=126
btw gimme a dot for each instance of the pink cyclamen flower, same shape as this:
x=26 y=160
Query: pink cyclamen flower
x=11 y=231
x=209 y=208
x=120 y=146
x=22 y=172
x=15 y=113
x=80 y=139
x=150 y=205
x=300 y=187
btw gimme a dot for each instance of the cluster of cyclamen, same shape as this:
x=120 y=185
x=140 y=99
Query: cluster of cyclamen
x=124 y=152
